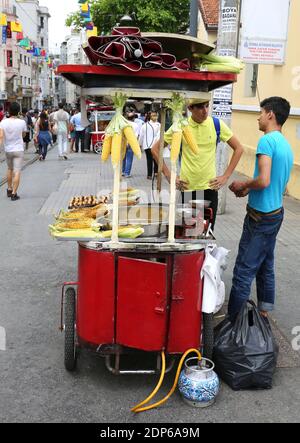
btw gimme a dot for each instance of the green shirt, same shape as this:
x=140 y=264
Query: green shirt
x=198 y=170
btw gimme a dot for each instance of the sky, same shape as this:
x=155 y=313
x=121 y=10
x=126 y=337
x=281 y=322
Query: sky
x=59 y=10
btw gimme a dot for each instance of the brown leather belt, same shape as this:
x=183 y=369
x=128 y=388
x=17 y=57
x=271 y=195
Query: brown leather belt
x=257 y=216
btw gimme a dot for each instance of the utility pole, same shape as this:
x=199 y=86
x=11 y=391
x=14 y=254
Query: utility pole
x=228 y=36
x=194 y=13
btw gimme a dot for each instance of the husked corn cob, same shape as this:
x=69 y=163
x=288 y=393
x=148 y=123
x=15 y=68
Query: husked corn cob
x=84 y=223
x=124 y=148
x=189 y=138
x=80 y=233
x=116 y=148
x=132 y=141
x=107 y=146
x=176 y=145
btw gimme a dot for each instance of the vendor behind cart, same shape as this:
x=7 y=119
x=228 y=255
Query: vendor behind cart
x=198 y=180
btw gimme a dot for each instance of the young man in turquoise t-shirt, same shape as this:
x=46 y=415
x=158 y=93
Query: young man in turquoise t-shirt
x=265 y=213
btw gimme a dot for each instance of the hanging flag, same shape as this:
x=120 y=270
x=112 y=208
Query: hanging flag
x=16 y=27
x=20 y=36
x=85 y=7
x=89 y=26
x=25 y=43
x=3 y=19
x=93 y=32
x=4 y=34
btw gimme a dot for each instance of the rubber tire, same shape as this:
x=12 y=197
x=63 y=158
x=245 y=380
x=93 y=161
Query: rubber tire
x=98 y=148
x=70 y=355
x=208 y=335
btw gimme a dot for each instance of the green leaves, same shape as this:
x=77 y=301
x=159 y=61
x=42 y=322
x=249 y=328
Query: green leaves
x=170 y=16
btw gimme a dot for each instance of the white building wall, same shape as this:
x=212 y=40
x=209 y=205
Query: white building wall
x=73 y=58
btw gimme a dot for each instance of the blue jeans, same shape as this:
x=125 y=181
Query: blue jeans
x=256 y=259
x=128 y=161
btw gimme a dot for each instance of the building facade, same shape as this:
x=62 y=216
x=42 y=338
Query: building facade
x=35 y=21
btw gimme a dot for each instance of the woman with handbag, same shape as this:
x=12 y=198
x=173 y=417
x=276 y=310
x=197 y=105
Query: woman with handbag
x=43 y=135
x=72 y=133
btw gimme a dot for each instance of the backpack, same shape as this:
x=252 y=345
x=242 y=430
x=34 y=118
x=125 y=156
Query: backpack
x=217 y=124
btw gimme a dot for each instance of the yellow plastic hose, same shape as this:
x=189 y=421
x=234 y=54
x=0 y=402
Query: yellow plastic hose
x=137 y=409
x=163 y=371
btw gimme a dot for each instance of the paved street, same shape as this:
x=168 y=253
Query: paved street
x=34 y=384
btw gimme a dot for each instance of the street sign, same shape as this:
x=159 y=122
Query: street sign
x=263 y=39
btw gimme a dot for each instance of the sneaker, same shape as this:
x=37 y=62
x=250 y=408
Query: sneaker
x=65 y=157
x=128 y=176
x=41 y=158
x=9 y=193
x=15 y=197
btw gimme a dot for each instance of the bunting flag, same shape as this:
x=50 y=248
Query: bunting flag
x=20 y=36
x=89 y=26
x=25 y=43
x=3 y=19
x=85 y=7
x=16 y=27
x=4 y=35
x=93 y=32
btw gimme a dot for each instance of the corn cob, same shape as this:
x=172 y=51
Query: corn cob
x=124 y=148
x=107 y=146
x=176 y=145
x=116 y=148
x=132 y=141
x=189 y=138
x=84 y=223
x=80 y=233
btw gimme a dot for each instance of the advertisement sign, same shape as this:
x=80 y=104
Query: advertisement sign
x=263 y=39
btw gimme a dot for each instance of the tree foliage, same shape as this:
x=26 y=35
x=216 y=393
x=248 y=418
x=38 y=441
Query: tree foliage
x=152 y=16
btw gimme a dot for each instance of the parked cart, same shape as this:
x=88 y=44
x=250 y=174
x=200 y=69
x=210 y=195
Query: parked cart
x=145 y=294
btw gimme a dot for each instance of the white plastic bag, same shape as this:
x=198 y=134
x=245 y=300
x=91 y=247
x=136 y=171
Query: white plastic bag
x=214 y=288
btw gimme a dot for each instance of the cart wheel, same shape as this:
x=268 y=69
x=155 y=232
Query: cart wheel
x=98 y=148
x=70 y=334
x=208 y=335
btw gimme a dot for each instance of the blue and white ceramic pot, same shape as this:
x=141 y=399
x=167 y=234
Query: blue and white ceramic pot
x=198 y=384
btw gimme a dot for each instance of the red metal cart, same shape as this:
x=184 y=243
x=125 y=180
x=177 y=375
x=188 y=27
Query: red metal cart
x=144 y=298
x=139 y=296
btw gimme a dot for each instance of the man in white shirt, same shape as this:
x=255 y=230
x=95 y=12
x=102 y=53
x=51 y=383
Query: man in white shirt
x=12 y=131
x=61 y=123
x=150 y=133
x=80 y=131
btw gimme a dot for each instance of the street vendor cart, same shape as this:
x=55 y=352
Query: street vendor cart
x=143 y=294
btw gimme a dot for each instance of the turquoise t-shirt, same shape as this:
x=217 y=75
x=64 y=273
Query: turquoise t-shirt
x=275 y=146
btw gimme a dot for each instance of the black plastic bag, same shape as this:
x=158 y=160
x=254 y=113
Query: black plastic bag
x=245 y=352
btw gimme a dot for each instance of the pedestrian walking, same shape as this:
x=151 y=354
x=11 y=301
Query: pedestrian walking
x=149 y=134
x=79 y=131
x=28 y=120
x=12 y=131
x=43 y=135
x=61 y=125
x=128 y=160
x=265 y=213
